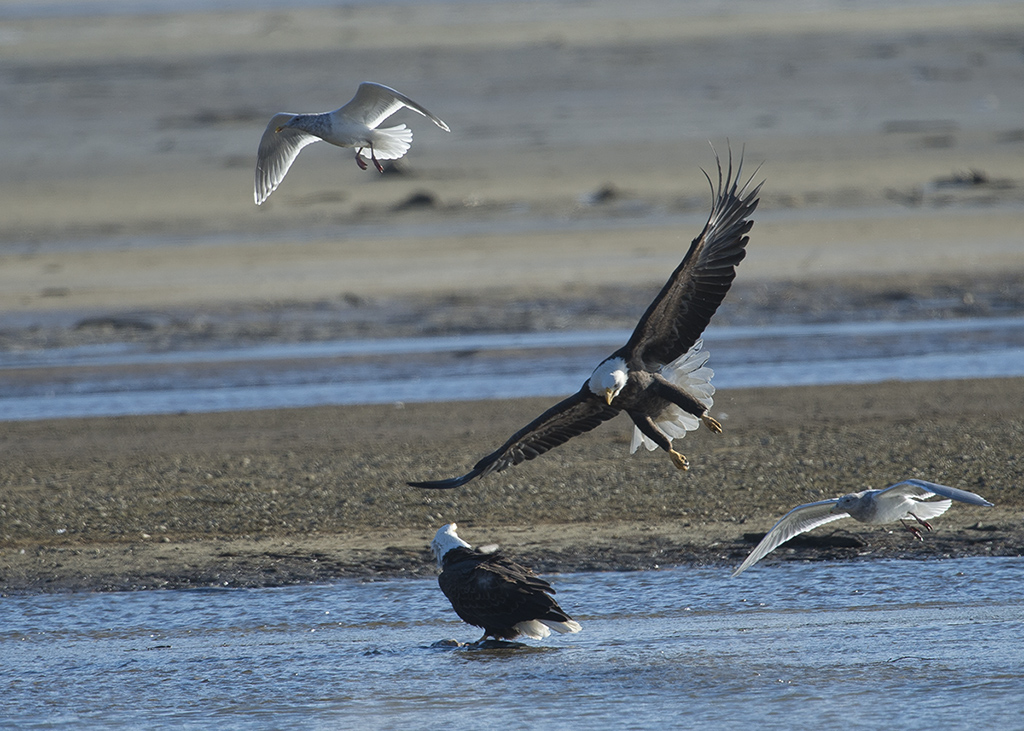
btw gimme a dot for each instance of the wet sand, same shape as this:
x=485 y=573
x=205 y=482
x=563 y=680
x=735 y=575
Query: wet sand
x=566 y=192
x=276 y=497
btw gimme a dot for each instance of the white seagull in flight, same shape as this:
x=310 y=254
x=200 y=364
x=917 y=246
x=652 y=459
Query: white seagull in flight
x=353 y=125
x=906 y=499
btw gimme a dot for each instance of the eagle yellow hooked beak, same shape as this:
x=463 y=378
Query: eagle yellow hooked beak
x=609 y=394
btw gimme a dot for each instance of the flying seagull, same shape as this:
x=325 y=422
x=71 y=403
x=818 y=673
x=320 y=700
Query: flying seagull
x=658 y=378
x=907 y=499
x=493 y=592
x=353 y=125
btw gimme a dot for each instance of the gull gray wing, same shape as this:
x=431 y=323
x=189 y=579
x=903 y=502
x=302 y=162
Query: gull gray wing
x=799 y=520
x=678 y=315
x=923 y=489
x=277 y=152
x=569 y=418
x=373 y=103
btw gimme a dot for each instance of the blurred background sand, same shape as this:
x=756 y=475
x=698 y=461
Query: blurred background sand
x=578 y=131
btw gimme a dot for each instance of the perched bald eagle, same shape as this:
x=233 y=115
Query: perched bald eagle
x=658 y=378
x=493 y=592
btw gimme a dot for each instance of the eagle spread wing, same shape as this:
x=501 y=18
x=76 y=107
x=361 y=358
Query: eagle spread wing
x=575 y=415
x=678 y=315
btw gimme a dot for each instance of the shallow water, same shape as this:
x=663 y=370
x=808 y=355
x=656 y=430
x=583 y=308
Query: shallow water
x=109 y=380
x=815 y=645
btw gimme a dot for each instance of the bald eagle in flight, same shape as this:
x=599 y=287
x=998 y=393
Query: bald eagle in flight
x=658 y=378
x=491 y=591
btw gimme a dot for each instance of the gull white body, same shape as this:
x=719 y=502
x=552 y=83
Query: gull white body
x=906 y=499
x=355 y=125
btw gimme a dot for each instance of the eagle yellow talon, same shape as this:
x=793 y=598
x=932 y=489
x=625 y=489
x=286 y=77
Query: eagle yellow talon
x=679 y=460
x=711 y=423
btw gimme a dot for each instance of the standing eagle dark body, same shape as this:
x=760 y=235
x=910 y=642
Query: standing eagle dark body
x=651 y=377
x=493 y=592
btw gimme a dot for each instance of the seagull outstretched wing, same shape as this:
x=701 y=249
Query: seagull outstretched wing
x=373 y=103
x=276 y=154
x=923 y=489
x=799 y=520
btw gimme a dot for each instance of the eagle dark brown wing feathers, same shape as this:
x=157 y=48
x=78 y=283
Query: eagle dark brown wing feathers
x=571 y=417
x=493 y=592
x=678 y=315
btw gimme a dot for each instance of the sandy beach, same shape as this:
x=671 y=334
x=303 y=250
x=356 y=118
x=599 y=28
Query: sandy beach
x=891 y=140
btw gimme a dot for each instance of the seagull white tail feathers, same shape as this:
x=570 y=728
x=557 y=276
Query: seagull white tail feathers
x=389 y=143
x=689 y=372
x=928 y=510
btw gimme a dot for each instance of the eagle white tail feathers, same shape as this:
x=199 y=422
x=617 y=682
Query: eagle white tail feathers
x=538 y=629
x=567 y=627
x=389 y=143
x=690 y=372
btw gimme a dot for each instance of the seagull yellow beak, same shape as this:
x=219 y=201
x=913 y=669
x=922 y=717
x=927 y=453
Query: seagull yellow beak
x=609 y=394
x=278 y=129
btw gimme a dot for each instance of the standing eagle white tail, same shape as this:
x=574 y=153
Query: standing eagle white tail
x=490 y=591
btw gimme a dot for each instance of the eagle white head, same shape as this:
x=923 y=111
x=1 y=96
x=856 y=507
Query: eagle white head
x=609 y=379
x=445 y=540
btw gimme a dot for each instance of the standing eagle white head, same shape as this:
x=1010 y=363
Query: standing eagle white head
x=445 y=540
x=488 y=590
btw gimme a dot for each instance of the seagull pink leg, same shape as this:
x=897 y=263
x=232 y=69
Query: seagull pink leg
x=925 y=523
x=359 y=159
x=380 y=168
x=914 y=530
